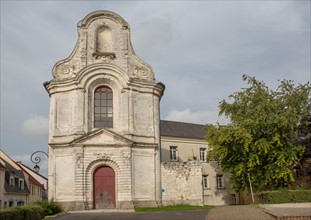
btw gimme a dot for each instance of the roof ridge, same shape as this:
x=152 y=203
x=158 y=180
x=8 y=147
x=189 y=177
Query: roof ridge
x=183 y=122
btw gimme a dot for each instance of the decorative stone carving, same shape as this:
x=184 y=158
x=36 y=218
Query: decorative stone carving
x=105 y=57
x=142 y=72
x=126 y=157
x=66 y=71
x=79 y=157
x=102 y=156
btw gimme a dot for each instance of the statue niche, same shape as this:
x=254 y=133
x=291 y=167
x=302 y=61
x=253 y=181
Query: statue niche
x=104 y=45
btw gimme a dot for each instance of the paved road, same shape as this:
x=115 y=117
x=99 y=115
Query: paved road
x=239 y=212
x=180 y=215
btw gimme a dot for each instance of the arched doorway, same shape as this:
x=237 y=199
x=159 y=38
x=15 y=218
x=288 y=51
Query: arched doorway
x=104 y=188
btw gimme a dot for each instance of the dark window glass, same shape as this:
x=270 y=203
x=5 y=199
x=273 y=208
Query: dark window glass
x=103 y=107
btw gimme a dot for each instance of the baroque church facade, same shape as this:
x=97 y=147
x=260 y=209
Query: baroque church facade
x=104 y=129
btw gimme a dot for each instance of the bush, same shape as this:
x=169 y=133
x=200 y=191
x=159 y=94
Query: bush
x=50 y=207
x=284 y=196
x=34 y=211
x=28 y=212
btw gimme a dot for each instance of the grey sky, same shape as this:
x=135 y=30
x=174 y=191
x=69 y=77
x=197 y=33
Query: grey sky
x=198 y=49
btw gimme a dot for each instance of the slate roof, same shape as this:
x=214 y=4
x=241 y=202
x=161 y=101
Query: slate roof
x=17 y=174
x=14 y=189
x=31 y=178
x=182 y=129
x=23 y=166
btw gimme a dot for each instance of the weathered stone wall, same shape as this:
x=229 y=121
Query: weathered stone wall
x=182 y=183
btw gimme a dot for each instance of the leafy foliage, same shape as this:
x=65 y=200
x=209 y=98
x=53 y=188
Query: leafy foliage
x=262 y=136
x=50 y=206
x=304 y=130
x=34 y=211
x=284 y=196
x=28 y=212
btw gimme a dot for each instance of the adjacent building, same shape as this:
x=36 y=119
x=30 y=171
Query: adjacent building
x=38 y=180
x=17 y=186
x=186 y=175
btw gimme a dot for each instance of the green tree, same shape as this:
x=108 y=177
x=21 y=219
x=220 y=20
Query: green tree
x=262 y=136
x=304 y=130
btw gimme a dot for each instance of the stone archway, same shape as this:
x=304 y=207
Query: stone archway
x=104 y=188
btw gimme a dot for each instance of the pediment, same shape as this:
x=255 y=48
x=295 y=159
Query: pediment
x=103 y=137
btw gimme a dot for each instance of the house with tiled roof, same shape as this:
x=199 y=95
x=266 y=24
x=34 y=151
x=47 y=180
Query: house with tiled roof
x=17 y=186
x=36 y=178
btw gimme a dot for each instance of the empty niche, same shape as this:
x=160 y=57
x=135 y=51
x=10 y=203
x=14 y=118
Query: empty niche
x=104 y=40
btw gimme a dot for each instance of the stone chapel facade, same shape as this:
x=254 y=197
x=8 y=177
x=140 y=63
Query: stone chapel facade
x=104 y=121
x=104 y=131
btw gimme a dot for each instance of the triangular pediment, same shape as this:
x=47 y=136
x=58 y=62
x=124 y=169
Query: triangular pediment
x=103 y=137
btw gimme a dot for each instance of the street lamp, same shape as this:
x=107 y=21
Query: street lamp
x=36 y=160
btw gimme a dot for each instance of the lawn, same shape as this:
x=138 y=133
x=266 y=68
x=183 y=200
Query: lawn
x=173 y=208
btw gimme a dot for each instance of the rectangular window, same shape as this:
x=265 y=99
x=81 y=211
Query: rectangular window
x=203 y=154
x=11 y=181
x=103 y=107
x=173 y=153
x=20 y=203
x=205 y=182
x=219 y=180
x=21 y=184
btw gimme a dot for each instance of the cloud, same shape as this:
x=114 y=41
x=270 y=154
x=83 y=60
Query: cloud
x=200 y=117
x=153 y=35
x=198 y=49
x=36 y=125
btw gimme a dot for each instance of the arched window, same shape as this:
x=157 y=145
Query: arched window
x=103 y=108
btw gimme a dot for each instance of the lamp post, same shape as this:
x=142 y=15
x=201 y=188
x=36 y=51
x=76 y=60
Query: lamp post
x=37 y=159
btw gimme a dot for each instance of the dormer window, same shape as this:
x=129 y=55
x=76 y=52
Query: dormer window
x=103 y=107
x=21 y=184
x=11 y=181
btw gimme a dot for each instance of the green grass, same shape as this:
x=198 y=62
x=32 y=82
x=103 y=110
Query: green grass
x=173 y=208
x=53 y=216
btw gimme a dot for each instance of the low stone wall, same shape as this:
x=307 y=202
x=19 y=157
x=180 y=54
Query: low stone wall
x=181 y=183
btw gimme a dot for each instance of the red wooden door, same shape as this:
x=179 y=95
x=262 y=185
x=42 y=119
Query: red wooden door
x=104 y=188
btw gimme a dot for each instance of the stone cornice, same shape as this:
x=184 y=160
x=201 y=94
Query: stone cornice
x=100 y=14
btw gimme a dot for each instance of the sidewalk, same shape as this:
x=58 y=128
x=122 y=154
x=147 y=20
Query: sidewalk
x=297 y=211
x=238 y=212
x=289 y=211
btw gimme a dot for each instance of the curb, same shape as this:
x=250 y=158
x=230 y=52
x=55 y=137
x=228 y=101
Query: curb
x=102 y=210
x=279 y=216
